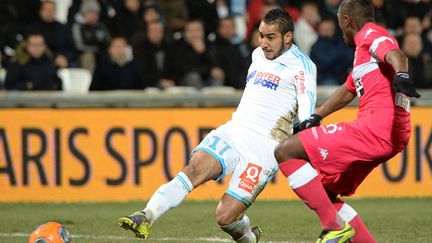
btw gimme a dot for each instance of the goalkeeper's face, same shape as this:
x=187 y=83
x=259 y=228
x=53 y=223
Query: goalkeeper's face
x=272 y=42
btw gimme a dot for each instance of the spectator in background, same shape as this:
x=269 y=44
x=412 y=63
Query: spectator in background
x=150 y=15
x=420 y=63
x=231 y=55
x=154 y=57
x=15 y=15
x=330 y=54
x=205 y=11
x=254 y=39
x=107 y=10
x=90 y=35
x=117 y=72
x=305 y=27
x=196 y=64
x=33 y=67
x=413 y=25
x=256 y=10
x=383 y=14
x=128 y=18
x=175 y=13
x=57 y=36
x=329 y=8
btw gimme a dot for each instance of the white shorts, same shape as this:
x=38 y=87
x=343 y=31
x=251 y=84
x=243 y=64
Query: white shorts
x=245 y=154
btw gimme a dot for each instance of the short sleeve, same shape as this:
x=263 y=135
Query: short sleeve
x=381 y=45
x=349 y=84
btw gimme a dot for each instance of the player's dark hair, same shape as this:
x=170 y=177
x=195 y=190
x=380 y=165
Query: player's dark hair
x=361 y=8
x=280 y=17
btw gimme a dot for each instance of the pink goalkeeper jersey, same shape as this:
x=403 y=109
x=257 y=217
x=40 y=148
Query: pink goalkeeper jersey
x=371 y=80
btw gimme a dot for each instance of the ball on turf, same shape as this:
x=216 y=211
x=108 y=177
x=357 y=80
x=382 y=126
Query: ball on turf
x=51 y=232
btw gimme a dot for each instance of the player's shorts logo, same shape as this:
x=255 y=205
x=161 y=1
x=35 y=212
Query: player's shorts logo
x=250 y=177
x=331 y=128
x=324 y=153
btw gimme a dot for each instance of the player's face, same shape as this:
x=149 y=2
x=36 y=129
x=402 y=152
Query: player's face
x=345 y=23
x=272 y=42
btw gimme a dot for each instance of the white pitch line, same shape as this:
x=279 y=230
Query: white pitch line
x=115 y=237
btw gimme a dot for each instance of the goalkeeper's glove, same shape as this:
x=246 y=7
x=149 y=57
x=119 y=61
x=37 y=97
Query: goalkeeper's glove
x=402 y=83
x=312 y=121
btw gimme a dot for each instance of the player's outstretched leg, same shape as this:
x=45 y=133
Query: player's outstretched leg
x=138 y=222
x=348 y=214
x=167 y=196
x=201 y=168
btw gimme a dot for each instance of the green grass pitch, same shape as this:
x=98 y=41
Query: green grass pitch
x=390 y=220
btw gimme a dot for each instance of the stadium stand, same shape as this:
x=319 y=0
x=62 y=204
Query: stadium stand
x=18 y=17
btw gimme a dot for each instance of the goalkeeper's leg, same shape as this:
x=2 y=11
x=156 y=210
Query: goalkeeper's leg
x=202 y=168
x=348 y=214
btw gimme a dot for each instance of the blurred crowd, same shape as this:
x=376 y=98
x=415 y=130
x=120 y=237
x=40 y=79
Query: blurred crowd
x=134 y=44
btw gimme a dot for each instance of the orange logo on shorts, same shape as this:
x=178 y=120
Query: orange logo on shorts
x=250 y=177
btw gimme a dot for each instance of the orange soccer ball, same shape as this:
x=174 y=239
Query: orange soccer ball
x=51 y=232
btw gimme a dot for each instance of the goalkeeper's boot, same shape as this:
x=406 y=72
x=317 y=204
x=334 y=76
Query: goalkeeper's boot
x=337 y=236
x=138 y=222
x=256 y=230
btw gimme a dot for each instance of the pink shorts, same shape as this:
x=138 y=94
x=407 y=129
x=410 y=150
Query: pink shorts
x=345 y=153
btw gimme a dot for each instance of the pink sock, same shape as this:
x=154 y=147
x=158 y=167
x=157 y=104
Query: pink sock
x=362 y=234
x=305 y=182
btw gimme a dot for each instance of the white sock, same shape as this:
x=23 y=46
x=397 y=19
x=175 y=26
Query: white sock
x=168 y=196
x=347 y=213
x=242 y=228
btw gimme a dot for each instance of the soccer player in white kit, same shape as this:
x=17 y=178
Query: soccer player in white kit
x=280 y=92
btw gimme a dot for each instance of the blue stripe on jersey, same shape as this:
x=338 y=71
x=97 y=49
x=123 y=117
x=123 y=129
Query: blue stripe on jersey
x=311 y=96
x=307 y=60
x=302 y=59
x=307 y=63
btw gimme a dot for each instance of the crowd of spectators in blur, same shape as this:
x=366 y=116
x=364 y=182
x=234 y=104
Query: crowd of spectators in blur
x=134 y=44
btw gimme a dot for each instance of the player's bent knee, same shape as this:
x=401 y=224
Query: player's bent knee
x=290 y=148
x=223 y=217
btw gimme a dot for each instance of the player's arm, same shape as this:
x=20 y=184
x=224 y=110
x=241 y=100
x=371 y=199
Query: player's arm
x=306 y=98
x=401 y=82
x=339 y=99
x=386 y=49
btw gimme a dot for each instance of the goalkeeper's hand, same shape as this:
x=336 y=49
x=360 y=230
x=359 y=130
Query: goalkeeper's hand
x=312 y=121
x=402 y=83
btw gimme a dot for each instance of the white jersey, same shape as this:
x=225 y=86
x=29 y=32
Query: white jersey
x=278 y=93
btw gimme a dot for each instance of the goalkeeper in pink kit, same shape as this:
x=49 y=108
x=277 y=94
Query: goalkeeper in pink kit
x=324 y=162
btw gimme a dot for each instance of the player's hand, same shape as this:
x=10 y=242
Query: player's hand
x=312 y=121
x=402 y=83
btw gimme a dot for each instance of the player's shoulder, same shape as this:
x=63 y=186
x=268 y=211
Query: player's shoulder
x=372 y=31
x=296 y=60
x=257 y=53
